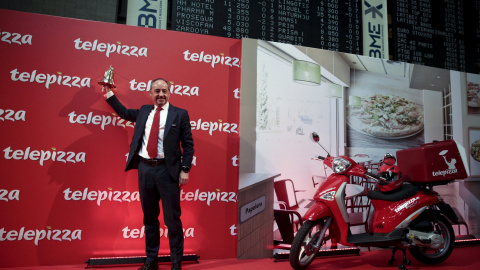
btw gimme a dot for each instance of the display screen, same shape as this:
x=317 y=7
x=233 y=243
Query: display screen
x=437 y=33
x=442 y=34
x=331 y=24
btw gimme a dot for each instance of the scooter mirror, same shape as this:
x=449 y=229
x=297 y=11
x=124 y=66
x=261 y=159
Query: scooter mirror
x=315 y=137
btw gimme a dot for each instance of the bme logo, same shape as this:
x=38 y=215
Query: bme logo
x=375 y=28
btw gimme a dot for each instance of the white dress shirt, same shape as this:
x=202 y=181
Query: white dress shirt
x=148 y=126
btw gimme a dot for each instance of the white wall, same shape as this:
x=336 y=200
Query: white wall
x=432 y=108
x=287 y=112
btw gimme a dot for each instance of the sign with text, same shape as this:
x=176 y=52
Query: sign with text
x=251 y=209
x=375 y=28
x=147 y=13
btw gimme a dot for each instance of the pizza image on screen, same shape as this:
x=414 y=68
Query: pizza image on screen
x=385 y=116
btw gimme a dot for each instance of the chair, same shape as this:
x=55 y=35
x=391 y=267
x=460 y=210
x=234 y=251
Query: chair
x=374 y=166
x=362 y=163
x=322 y=178
x=460 y=221
x=288 y=218
x=358 y=205
x=287 y=226
x=286 y=193
x=318 y=177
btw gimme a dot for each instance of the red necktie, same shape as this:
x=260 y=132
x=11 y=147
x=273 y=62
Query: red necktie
x=153 y=139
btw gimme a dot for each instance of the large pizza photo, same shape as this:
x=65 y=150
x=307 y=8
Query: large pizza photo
x=385 y=116
x=475 y=150
x=473 y=94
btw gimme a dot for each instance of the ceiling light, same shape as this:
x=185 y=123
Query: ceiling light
x=334 y=91
x=306 y=72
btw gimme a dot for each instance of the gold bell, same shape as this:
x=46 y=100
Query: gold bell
x=108 y=78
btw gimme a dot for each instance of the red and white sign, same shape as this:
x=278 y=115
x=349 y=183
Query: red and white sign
x=64 y=195
x=434 y=162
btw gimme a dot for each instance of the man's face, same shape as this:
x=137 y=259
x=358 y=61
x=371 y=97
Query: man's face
x=160 y=93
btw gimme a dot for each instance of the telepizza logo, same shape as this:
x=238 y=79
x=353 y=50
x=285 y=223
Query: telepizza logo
x=38 y=235
x=108 y=48
x=181 y=90
x=211 y=59
x=15 y=38
x=236 y=93
x=12 y=115
x=140 y=233
x=233 y=230
x=99 y=120
x=408 y=204
x=235 y=161
x=101 y=195
x=49 y=79
x=44 y=155
x=209 y=196
x=211 y=127
x=11 y=195
x=450 y=163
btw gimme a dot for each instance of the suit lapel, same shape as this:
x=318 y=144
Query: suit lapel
x=172 y=113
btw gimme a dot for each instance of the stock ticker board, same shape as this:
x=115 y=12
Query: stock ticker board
x=437 y=33
x=331 y=24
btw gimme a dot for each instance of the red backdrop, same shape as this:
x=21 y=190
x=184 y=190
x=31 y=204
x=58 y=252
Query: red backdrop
x=64 y=195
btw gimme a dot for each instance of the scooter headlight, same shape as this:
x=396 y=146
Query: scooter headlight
x=339 y=165
x=329 y=196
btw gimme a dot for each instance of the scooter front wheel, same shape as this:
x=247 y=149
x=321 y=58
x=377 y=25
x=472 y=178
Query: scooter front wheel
x=306 y=244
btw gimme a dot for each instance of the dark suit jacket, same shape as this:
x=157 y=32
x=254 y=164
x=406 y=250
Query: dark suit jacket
x=177 y=132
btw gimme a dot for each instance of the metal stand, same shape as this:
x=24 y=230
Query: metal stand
x=322 y=253
x=466 y=241
x=135 y=260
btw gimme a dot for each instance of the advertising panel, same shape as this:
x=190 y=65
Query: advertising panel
x=64 y=149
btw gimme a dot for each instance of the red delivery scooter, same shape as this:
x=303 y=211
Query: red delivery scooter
x=407 y=213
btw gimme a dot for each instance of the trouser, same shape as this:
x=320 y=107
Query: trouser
x=156 y=184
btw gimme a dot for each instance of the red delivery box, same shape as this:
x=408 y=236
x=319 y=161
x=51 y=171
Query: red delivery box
x=435 y=162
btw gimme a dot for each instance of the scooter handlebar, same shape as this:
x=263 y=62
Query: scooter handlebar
x=319 y=157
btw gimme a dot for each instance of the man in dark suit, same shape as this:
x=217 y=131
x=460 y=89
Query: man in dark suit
x=162 y=166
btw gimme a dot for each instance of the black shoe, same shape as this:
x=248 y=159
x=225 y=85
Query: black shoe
x=149 y=266
x=176 y=266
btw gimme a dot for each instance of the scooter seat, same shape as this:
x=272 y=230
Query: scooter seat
x=401 y=193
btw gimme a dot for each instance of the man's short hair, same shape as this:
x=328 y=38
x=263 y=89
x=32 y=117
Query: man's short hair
x=160 y=79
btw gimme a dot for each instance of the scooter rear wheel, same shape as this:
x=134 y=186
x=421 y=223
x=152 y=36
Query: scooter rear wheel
x=306 y=244
x=431 y=256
